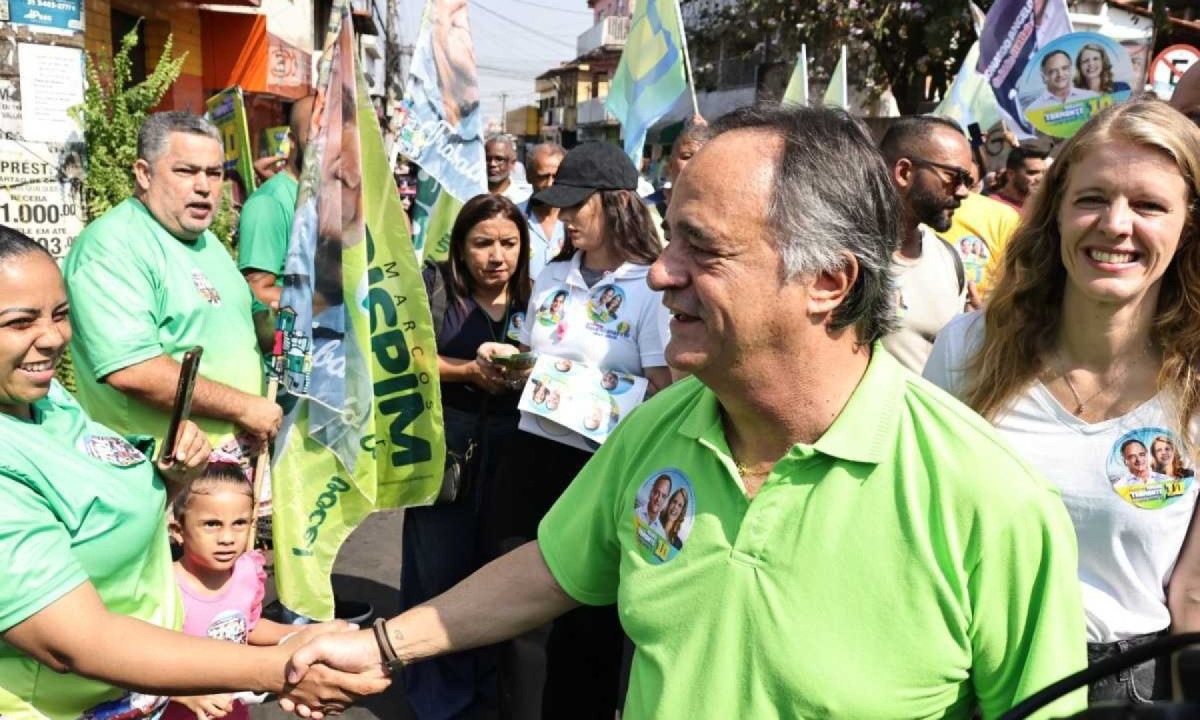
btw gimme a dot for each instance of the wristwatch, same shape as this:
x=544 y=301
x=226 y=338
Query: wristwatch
x=391 y=661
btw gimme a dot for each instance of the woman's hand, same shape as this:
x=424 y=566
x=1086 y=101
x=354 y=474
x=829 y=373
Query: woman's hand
x=192 y=449
x=490 y=377
x=207 y=707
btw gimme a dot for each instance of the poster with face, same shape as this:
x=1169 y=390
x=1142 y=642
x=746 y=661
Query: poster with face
x=577 y=403
x=1146 y=468
x=1071 y=79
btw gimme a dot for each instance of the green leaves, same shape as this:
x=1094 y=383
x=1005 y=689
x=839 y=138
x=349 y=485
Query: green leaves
x=111 y=114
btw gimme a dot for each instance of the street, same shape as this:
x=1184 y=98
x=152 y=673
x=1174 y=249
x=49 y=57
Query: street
x=368 y=569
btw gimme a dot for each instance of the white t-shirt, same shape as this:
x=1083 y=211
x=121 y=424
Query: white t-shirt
x=930 y=290
x=1129 y=531
x=617 y=324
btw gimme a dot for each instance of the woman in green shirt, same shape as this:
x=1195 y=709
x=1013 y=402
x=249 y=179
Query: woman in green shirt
x=88 y=599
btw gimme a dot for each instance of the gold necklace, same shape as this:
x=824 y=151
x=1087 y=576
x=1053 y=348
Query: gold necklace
x=1079 y=404
x=747 y=472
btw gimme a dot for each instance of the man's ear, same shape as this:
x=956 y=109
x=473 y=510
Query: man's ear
x=902 y=174
x=831 y=288
x=141 y=174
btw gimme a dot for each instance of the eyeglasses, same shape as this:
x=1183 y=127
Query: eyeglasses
x=957 y=175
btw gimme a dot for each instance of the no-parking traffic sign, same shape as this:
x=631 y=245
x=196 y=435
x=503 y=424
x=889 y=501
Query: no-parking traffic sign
x=1169 y=66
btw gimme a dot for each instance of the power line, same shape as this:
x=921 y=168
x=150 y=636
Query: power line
x=551 y=7
x=526 y=28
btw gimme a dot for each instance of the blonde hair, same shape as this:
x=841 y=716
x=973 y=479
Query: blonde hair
x=1021 y=321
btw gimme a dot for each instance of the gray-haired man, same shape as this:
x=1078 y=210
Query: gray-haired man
x=841 y=539
x=147 y=281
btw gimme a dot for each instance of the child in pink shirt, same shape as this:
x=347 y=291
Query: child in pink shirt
x=222 y=585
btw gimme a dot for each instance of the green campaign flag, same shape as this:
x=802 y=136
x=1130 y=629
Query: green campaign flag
x=650 y=76
x=797 y=88
x=354 y=349
x=227 y=110
x=838 y=92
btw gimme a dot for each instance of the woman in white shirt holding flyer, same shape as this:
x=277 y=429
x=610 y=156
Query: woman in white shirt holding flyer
x=590 y=305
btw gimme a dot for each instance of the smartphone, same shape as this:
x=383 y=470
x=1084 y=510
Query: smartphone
x=183 y=399
x=519 y=361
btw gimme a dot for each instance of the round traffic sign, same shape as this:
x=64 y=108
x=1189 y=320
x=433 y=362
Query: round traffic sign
x=1169 y=66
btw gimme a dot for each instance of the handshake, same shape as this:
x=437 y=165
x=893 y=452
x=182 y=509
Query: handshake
x=328 y=667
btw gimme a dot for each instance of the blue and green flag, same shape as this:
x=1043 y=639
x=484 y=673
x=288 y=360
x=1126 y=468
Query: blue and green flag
x=354 y=356
x=650 y=77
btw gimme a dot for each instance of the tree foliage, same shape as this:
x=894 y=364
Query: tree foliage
x=890 y=44
x=111 y=114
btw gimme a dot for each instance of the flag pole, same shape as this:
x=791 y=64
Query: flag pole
x=261 y=463
x=687 y=61
x=804 y=67
x=845 y=89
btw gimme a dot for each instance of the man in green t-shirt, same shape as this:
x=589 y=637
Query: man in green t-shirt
x=803 y=528
x=266 y=220
x=147 y=281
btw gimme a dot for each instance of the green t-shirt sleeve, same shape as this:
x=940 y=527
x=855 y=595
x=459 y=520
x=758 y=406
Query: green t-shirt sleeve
x=114 y=312
x=40 y=568
x=1027 y=627
x=578 y=537
x=262 y=235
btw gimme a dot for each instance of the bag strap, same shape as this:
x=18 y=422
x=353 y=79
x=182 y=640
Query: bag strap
x=435 y=287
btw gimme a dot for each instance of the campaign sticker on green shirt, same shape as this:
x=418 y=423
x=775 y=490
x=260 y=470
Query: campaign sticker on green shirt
x=663 y=512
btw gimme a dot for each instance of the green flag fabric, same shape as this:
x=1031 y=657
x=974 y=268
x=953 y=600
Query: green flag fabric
x=838 y=94
x=355 y=355
x=650 y=76
x=797 y=88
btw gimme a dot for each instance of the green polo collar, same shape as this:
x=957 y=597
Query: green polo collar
x=863 y=432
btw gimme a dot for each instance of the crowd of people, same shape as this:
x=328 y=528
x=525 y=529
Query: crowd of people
x=788 y=521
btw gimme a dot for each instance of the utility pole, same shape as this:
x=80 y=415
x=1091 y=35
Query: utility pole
x=504 y=113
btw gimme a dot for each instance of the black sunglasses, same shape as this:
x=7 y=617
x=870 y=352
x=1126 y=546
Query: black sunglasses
x=957 y=174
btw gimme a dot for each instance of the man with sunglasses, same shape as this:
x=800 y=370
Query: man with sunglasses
x=928 y=159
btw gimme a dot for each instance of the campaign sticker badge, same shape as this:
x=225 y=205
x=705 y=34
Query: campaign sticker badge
x=111 y=450
x=229 y=625
x=664 y=511
x=1072 y=78
x=205 y=288
x=604 y=312
x=550 y=312
x=1147 y=470
x=975 y=256
x=515 y=322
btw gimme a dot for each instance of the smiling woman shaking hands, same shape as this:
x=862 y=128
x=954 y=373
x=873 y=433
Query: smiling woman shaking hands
x=1086 y=360
x=87 y=596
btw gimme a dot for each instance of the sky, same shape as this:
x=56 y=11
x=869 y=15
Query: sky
x=515 y=41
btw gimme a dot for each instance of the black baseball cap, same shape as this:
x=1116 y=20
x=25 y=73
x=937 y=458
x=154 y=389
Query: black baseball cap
x=587 y=168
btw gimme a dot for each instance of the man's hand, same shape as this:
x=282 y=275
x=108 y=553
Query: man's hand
x=190 y=458
x=261 y=418
x=207 y=707
x=330 y=668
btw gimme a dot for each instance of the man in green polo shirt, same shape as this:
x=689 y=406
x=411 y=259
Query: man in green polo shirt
x=266 y=220
x=147 y=281
x=835 y=538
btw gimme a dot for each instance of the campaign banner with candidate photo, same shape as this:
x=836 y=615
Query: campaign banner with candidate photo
x=576 y=403
x=442 y=131
x=1073 y=78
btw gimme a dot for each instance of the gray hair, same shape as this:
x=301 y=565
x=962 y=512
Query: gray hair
x=547 y=148
x=504 y=139
x=152 y=137
x=832 y=195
